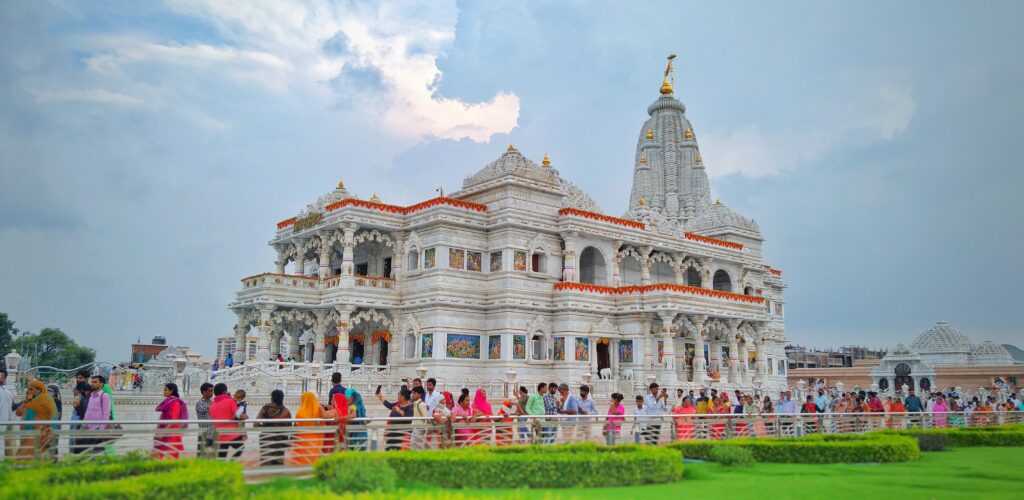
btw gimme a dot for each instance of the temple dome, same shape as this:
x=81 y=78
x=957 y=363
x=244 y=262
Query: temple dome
x=717 y=218
x=942 y=338
x=512 y=164
x=990 y=353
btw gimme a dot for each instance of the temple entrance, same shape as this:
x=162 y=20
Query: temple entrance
x=604 y=357
x=903 y=377
x=357 y=352
x=331 y=353
x=382 y=349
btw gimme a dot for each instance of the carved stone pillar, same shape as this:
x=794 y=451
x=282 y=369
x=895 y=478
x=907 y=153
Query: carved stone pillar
x=616 y=265
x=300 y=258
x=645 y=266
x=344 y=324
x=293 y=344
x=319 y=334
x=734 y=365
x=677 y=266
x=275 y=341
x=700 y=367
x=668 y=336
x=241 y=331
x=761 y=358
x=348 y=251
x=325 y=256
x=263 y=332
x=744 y=368
x=398 y=256
x=282 y=258
x=569 y=257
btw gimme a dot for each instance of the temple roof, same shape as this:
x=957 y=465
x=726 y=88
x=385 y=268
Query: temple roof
x=717 y=217
x=513 y=163
x=989 y=352
x=942 y=338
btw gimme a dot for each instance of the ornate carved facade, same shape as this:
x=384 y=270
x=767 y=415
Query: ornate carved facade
x=519 y=269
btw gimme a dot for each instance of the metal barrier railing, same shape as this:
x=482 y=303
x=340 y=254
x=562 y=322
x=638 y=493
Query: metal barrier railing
x=284 y=443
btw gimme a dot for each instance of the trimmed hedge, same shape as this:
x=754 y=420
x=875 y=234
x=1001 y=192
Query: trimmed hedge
x=300 y=493
x=356 y=472
x=815 y=449
x=583 y=465
x=130 y=478
x=732 y=456
x=1002 y=435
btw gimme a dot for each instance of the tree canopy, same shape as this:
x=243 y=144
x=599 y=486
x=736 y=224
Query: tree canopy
x=49 y=347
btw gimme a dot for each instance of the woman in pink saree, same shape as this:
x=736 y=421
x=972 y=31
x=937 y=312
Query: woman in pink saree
x=462 y=418
x=168 y=444
x=482 y=413
x=940 y=408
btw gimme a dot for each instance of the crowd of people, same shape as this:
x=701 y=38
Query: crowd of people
x=421 y=416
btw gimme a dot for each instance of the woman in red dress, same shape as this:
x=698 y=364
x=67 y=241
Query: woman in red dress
x=168 y=444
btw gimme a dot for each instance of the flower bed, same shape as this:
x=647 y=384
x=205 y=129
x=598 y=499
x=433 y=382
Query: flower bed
x=818 y=449
x=586 y=465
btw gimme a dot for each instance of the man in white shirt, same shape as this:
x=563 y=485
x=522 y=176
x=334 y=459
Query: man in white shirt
x=6 y=402
x=655 y=405
x=433 y=397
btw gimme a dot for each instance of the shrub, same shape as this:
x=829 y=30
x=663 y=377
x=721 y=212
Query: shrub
x=356 y=471
x=732 y=456
x=128 y=479
x=1011 y=435
x=932 y=442
x=540 y=466
x=820 y=449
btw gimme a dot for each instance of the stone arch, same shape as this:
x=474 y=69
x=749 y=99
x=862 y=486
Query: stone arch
x=662 y=268
x=722 y=281
x=413 y=249
x=593 y=266
x=539 y=333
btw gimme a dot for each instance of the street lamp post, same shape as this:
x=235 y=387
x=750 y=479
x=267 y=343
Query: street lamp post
x=12 y=360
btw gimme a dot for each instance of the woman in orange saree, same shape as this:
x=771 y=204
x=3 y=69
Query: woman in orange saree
x=308 y=447
x=684 y=425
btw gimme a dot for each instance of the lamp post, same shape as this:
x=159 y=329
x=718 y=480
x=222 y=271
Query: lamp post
x=510 y=380
x=12 y=360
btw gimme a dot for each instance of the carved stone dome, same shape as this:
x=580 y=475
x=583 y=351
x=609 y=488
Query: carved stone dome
x=942 y=338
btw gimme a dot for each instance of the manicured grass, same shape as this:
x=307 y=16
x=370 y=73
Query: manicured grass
x=958 y=473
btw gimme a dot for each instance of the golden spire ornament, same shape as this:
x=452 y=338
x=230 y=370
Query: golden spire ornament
x=643 y=159
x=650 y=135
x=641 y=201
x=511 y=148
x=689 y=133
x=546 y=161
x=375 y=198
x=699 y=161
x=666 y=85
x=341 y=185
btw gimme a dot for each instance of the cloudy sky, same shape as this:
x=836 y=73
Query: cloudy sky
x=148 y=148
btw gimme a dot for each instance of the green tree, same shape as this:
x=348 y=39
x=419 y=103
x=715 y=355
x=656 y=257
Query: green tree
x=7 y=334
x=52 y=347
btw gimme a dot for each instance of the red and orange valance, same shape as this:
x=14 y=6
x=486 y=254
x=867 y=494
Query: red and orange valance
x=382 y=334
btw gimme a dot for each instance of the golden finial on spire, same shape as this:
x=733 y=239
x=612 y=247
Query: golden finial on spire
x=718 y=201
x=641 y=201
x=375 y=198
x=699 y=161
x=511 y=148
x=643 y=159
x=689 y=133
x=666 y=85
x=546 y=161
x=650 y=134
x=341 y=185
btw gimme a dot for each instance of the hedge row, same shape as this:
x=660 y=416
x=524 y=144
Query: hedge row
x=302 y=493
x=1004 y=435
x=815 y=449
x=584 y=465
x=127 y=479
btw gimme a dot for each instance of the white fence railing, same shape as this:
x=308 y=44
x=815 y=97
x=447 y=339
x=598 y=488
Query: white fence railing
x=289 y=443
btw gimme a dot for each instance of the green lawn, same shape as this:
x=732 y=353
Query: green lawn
x=956 y=473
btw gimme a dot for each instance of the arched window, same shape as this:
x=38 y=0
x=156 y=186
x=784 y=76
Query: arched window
x=538 y=262
x=883 y=384
x=592 y=267
x=413 y=260
x=537 y=345
x=721 y=281
x=693 y=277
x=410 y=346
x=926 y=385
x=748 y=290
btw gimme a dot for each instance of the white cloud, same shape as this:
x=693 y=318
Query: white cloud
x=301 y=49
x=89 y=95
x=878 y=112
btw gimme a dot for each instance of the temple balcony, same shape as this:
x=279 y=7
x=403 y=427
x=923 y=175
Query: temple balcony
x=663 y=294
x=359 y=290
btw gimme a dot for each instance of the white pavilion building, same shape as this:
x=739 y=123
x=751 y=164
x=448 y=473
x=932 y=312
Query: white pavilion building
x=520 y=270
